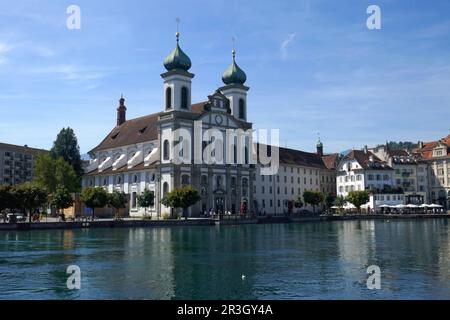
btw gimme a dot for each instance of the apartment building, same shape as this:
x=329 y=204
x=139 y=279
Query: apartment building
x=17 y=163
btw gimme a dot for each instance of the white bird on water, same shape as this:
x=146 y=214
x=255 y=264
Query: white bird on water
x=243 y=277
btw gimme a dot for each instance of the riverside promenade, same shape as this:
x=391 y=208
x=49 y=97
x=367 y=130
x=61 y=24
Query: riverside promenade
x=135 y=223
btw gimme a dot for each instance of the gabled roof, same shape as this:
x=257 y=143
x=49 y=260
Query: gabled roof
x=367 y=160
x=130 y=132
x=299 y=158
x=331 y=161
x=397 y=153
x=427 y=150
x=137 y=130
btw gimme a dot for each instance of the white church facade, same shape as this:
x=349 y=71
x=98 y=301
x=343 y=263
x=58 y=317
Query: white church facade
x=152 y=152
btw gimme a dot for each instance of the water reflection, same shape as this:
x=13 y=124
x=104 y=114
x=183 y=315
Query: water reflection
x=293 y=261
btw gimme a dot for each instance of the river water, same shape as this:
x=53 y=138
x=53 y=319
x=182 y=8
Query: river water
x=325 y=260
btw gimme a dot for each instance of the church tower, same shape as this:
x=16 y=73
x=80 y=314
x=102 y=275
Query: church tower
x=319 y=148
x=235 y=90
x=177 y=80
x=121 y=112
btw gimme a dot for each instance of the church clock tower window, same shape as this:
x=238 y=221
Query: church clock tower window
x=241 y=109
x=168 y=98
x=184 y=98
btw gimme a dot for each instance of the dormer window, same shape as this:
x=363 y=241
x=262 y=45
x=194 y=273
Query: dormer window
x=142 y=130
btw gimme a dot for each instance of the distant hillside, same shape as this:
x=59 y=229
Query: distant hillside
x=402 y=145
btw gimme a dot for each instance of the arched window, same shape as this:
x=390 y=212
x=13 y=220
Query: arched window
x=168 y=98
x=241 y=109
x=165 y=188
x=166 y=151
x=184 y=98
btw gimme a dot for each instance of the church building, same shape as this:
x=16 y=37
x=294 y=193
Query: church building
x=138 y=154
x=152 y=152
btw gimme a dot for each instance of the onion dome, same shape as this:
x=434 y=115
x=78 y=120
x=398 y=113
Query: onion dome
x=177 y=60
x=234 y=74
x=319 y=144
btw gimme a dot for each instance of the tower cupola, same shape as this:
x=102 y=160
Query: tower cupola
x=177 y=59
x=234 y=74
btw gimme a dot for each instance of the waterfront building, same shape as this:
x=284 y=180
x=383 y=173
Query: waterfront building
x=411 y=173
x=137 y=155
x=299 y=171
x=436 y=154
x=17 y=163
x=362 y=170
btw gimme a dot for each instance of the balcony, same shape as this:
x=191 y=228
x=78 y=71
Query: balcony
x=406 y=174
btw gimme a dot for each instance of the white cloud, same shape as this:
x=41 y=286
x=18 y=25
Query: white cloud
x=285 y=44
x=70 y=73
x=4 y=49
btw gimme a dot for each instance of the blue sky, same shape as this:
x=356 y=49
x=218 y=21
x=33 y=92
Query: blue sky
x=312 y=65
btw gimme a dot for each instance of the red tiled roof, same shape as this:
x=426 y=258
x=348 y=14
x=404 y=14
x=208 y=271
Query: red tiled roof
x=427 y=150
x=130 y=132
x=137 y=130
x=331 y=161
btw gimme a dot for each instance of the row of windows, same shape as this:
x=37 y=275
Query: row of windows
x=166 y=152
x=184 y=98
x=263 y=190
x=350 y=188
x=388 y=197
x=378 y=177
x=352 y=178
x=311 y=171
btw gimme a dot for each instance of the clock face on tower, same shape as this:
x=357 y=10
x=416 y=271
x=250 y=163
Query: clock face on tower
x=219 y=119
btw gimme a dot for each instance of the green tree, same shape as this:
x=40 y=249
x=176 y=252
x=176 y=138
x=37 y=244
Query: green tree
x=61 y=199
x=313 y=198
x=5 y=197
x=53 y=174
x=117 y=200
x=183 y=197
x=358 y=198
x=298 y=203
x=329 y=200
x=146 y=200
x=94 y=197
x=340 y=202
x=66 y=146
x=31 y=197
